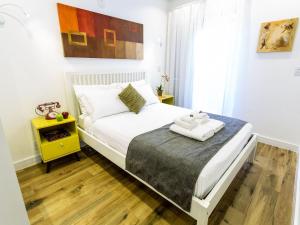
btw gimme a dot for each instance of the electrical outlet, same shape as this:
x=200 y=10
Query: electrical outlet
x=297 y=72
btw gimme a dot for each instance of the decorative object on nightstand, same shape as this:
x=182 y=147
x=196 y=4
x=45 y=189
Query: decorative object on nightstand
x=48 y=110
x=65 y=115
x=59 y=117
x=56 y=139
x=164 y=80
x=159 y=90
x=167 y=99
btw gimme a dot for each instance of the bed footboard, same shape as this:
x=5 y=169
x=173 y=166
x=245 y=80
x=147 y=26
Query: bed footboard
x=202 y=209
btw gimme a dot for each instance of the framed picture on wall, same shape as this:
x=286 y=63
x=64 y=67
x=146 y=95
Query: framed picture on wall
x=277 y=36
x=93 y=35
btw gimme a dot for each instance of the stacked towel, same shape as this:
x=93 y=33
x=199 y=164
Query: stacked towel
x=192 y=121
x=215 y=125
x=197 y=126
x=199 y=115
x=200 y=133
x=186 y=122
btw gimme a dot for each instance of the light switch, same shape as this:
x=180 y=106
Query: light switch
x=297 y=72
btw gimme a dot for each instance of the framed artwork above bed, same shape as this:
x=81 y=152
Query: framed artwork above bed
x=87 y=34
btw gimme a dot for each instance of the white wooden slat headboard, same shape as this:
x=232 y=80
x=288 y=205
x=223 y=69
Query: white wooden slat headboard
x=106 y=78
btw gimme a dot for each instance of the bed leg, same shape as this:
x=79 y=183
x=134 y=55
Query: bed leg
x=203 y=220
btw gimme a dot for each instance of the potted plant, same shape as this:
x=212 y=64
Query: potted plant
x=159 y=90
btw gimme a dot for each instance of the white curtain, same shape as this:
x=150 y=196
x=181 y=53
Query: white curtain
x=221 y=52
x=184 y=24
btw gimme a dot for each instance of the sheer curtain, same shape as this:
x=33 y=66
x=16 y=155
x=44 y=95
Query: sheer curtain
x=184 y=24
x=221 y=50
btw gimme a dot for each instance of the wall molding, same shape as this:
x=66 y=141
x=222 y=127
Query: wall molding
x=278 y=143
x=27 y=162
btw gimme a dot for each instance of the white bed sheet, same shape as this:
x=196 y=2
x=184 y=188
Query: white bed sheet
x=117 y=131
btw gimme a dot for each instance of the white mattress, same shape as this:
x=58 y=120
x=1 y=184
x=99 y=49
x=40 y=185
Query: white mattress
x=118 y=131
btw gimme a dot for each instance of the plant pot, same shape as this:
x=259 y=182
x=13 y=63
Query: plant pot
x=159 y=93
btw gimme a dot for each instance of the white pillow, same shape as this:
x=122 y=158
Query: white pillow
x=134 y=84
x=147 y=93
x=82 y=90
x=104 y=102
x=84 y=105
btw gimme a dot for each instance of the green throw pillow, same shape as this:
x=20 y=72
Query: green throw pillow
x=132 y=99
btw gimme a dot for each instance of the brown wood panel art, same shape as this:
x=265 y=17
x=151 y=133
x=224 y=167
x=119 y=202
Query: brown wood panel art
x=87 y=34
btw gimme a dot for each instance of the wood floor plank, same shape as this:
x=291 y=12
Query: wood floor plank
x=94 y=191
x=283 y=212
x=261 y=209
x=233 y=216
x=244 y=194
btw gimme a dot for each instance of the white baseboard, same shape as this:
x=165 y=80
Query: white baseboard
x=27 y=162
x=278 y=143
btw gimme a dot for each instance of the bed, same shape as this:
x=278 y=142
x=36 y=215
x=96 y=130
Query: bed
x=111 y=136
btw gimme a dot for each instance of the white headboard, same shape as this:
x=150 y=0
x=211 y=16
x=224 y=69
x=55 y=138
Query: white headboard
x=76 y=78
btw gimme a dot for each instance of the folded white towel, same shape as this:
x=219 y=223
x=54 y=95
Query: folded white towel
x=200 y=133
x=186 y=125
x=199 y=119
x=198 y=115
x=202 y=121
x=216 y=125
x=188 y=119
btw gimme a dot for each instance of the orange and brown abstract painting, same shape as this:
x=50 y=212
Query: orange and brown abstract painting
x=87 y=34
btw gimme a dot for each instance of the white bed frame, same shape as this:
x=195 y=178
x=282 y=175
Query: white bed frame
x=201 y=208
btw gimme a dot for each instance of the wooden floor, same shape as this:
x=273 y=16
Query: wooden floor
x=94 y=191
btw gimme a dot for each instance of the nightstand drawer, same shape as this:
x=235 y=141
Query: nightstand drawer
x=59 y=148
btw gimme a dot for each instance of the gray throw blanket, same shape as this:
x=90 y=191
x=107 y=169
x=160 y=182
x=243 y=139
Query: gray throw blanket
x=172 y=163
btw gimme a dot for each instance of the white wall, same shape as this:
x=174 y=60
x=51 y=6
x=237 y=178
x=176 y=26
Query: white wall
x=32 y=63
x=12 y=209
x=269 y=93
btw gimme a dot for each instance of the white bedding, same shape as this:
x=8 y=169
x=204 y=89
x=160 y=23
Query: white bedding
x=118 y=131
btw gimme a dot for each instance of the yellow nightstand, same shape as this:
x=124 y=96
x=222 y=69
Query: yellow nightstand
x=51 y=150
x=167 y=99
